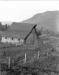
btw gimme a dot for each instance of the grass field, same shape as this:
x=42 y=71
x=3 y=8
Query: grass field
x=45 y=61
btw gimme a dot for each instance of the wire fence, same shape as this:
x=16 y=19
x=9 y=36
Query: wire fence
x=40 y=69
x=25 y=60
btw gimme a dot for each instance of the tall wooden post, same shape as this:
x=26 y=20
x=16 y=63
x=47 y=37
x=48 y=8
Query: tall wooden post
x=38 y=54
x=25 y=58
x=9 y=61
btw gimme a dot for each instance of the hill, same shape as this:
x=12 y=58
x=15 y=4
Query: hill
x=17 y=26
x=48 y=20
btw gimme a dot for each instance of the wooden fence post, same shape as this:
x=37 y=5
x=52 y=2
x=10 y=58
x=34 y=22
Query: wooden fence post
x=38 y=54
x=9 y=61
x=25 y=58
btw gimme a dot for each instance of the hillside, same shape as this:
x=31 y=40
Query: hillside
x=17 y=26
x=49 y=20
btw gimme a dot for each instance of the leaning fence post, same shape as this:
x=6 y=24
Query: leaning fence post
x=25 y=58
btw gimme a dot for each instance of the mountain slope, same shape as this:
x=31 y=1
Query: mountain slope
x=49 y=20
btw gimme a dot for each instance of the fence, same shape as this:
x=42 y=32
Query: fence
x=40 y=69
x=34 y=57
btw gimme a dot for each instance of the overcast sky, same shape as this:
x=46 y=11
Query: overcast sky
x=21 y=10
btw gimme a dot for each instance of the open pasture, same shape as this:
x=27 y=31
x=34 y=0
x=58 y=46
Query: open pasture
x=45 y=62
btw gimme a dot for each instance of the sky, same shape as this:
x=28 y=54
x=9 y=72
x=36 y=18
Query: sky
x=17 y=11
